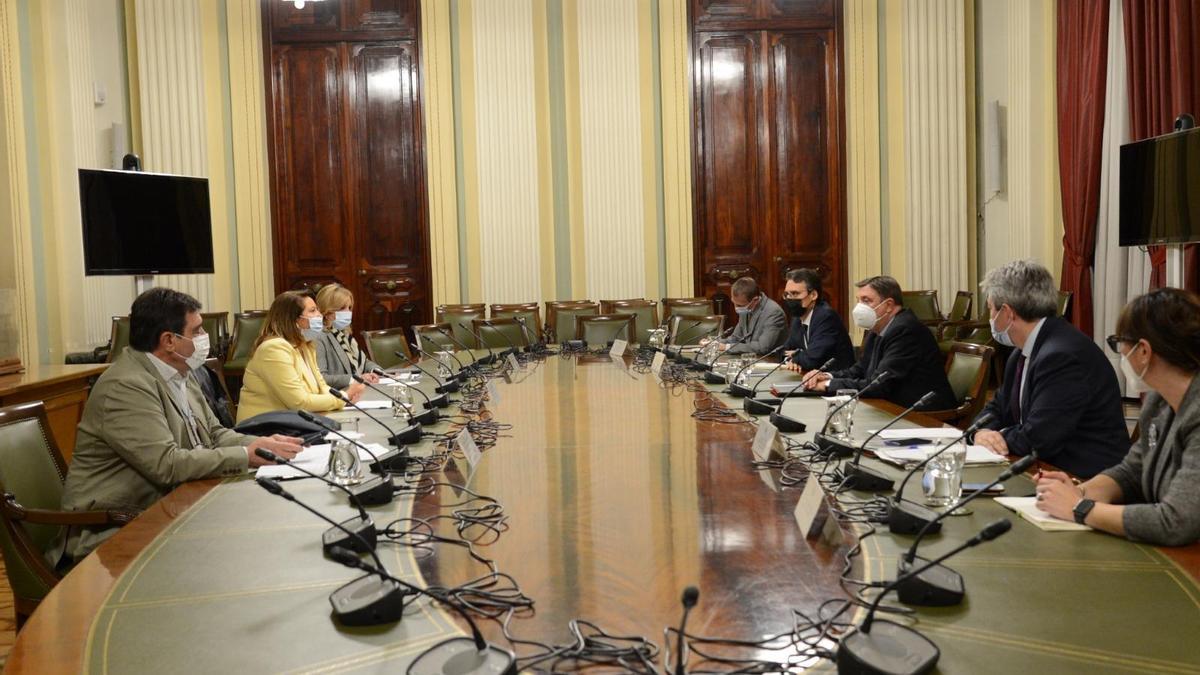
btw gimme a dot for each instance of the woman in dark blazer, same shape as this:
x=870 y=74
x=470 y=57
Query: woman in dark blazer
x=1153 y=495
x=338 y=355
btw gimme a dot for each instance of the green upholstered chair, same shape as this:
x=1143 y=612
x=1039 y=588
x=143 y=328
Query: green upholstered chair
x=561 y=316
x=499 y=333
x=923 y=304
x=32 y=472
x=961 y=309
x=1064 y=302
x=216 y=324
x=246 y=328
x=692 y=328
x=688 y=306
x=433 y=340
x=382 y=346
x=459 y=317
x=602 y=329
x=120 y=337
x=645 y=314
x=529 y=312
x=967 y=368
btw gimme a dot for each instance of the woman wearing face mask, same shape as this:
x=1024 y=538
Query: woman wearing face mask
x=282 y=374
x=1153 y=495
x=338 y=355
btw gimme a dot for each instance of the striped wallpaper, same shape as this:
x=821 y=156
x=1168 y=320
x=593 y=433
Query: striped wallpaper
x=561 y=166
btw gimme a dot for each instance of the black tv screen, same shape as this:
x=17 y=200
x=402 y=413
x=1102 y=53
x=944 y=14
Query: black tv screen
x=145 y=223
x=1160 y=190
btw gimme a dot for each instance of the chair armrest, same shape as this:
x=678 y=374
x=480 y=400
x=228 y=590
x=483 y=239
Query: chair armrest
x=954 y=330
x=46 y=517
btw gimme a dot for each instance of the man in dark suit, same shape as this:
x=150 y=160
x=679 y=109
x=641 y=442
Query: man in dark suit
x=1060 y=396
x=897 y=343
x=817 y=332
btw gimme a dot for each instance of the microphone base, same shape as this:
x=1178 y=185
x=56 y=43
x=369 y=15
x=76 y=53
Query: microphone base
x=460 y=656
x=392 y=460
x=858 y=477
x=430 y=416
x=464 y=374
x=739 y=391
x=760 y=406
x=577 y=344
x=363 y=528
x=450 y=386
x=487 y=360
x=409 y=434
x=373 y=492
x=889 y=649
x=908 y=518
x=938 y=586
x=673 y=354
x=439 y=401
x=369 y=600
x=830 y=446
x=787 y=425
x=712 y=378
x=695 y=365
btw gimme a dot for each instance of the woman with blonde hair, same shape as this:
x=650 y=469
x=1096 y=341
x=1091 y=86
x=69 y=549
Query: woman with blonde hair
x=282 y=373
x=338 y=355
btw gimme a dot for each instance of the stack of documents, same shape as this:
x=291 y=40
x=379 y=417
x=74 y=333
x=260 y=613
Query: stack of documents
x=315 y=458
x=1027 y=508
x=976 y=454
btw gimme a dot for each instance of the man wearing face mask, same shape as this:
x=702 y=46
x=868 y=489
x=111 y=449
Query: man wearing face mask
x=146 y=427
x=762 y=325
x=1060 y=396
x=897 y=343
x=817 y=332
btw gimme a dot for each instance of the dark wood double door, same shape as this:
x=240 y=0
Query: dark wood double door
x=769 y=177
x=347 y=159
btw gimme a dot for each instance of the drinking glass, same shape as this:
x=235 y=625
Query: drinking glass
x=443 y=365
x=657 y=338
x=402 y=400
x=344 y=465
x=842 y=422
x=942 y=481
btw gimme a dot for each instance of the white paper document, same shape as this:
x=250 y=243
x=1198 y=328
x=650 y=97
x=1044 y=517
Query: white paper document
x=374 y=404
x=1027 y=508
x=931 y=434
x=315 y=458
x=976 y=454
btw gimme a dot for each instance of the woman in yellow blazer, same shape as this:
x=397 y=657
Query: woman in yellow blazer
x=282 y=374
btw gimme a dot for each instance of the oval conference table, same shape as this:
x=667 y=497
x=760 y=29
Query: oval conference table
x=617 y=497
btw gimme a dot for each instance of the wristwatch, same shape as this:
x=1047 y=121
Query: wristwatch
x=1082 y=509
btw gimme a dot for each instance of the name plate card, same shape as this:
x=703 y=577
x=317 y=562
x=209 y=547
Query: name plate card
x=618 y=347
x=764 y=440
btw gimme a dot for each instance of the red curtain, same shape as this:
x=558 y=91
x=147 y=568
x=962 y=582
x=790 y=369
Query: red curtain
x=1082 y=67
x=1162 y=43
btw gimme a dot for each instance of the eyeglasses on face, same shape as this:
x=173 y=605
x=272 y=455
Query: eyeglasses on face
x=1114 y=342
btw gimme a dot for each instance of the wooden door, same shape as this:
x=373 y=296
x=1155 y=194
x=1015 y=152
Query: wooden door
x=769 y=174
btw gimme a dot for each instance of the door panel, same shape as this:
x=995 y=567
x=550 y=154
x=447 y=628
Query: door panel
x=378 y=14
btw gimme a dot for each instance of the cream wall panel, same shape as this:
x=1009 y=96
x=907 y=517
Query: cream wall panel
x=676 y=87
x=437 y=97
x=610 y=122
x=865 y=248
x=173 y=112
x=936 y=135
x=506 y=151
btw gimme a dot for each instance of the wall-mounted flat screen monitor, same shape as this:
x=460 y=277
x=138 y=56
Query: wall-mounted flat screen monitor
x=1160 y=190
x=145 y=223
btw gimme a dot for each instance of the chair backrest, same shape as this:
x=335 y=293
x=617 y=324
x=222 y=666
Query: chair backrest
x=382 y=346
x=433 y=340
x=601 y=329
x=606 y=306
x=459 y=317
x=33 y=471
x=560 y=318
x=961 y=309
x=120 y=337
x=216 y=324
x=967 y=368
x=1064 y=302
x=645 y=314
x=924 y=304
x=691 y=328
x=246 y=328
x=499 y=333
x=530 y=312
x=688 y=306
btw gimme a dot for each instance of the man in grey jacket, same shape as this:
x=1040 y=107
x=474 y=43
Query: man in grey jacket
x=762 y=324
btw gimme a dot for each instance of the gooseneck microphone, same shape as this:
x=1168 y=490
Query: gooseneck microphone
x=512 y=346
x=430 y=416
x=392 y=460
x=456 y=341
x=936 y=585
x=887 y=648
x=674 y=355
x=376 y=490
x=453 y=656
x=739 y=391
x=856 y=477
x=410 y=433
x=443 y=387
x=532 y=343
x=439 y=401
x=691 y=595
x=491 y=357
x=463 y=372
x=711 y=377
x=366 y=601
x=762 y=406
x=908 y=517
x=786 y=424
x=393 y=438
x=343 y=533
x=829 y=445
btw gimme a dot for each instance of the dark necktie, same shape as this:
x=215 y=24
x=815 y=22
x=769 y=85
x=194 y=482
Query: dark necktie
x=1014 y=405
x=803 y=336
